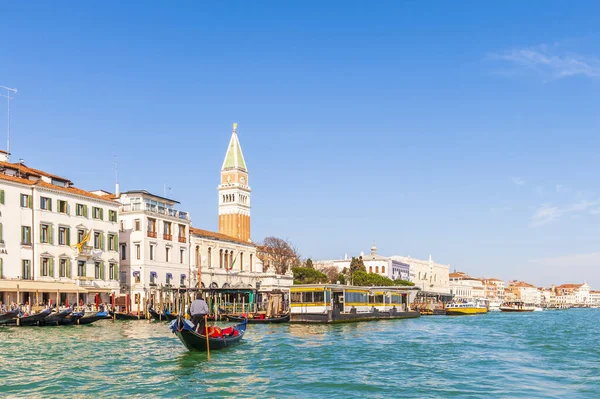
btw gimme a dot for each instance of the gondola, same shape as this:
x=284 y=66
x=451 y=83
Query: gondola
x=92 y=317
x=54 y=319
x=8 y=316
x=71 y=319
x=166 y=316
x=218 y=338
x=126 y=316
x=33 y=320
x=267 y=320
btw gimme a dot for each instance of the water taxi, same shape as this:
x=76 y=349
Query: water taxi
x=465 y=308
x=517 y=306
x=333 y=303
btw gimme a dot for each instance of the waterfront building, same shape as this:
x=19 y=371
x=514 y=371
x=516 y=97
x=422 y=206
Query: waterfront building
x=547 y=296
x=525 y=292
x=465 y=287
x=494 y=289
x=55 y=239
x=594 y=298
x=153 y=244
x=572 y=294
x=428 y=275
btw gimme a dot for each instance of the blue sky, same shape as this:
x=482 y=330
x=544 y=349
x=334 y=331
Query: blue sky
x=466 y=131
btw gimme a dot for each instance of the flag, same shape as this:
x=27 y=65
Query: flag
x=85 y=239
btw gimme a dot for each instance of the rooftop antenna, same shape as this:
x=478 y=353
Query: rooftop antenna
x=8 y=97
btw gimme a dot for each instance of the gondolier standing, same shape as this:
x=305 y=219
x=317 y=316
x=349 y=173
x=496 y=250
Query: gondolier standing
x=199 y=309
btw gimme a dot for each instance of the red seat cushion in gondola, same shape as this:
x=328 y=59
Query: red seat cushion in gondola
x=215 y=332
x=227 y=331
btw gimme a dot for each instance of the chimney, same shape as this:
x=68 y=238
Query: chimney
x=117 y=193
x=4 y=156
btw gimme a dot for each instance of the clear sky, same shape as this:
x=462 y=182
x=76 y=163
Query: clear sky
x=464 y=130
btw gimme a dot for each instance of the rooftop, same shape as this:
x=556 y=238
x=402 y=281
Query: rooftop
x=149 y=194
x=218 y=236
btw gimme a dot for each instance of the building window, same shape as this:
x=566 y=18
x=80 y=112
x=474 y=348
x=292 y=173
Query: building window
x=97 y=240
x=63 y=236
x=111 y=242
x=112 y=216
x=62 y=268
x=209 y=257
x=167 y=249
x=250 y=262
x=81 y=210
x=45 y=233
x=152 y=249
x=181 y=255
x=136 y=277
x=26 y=201
x=80 y=235
x=241 y=261
x=182 y=280
x=138 y=251
x=376 y=269
x=81 y=268
x=122 y=226
x=168 y=278
x=220 y=259
x=167 y=232
x=123 y=251
x=112 y=271
x=138 y=225
x=96 y=213
x=182 y=233
x=26 y=269
x=197 y=255
x=370 y=269
x=97 y=270
x=382 y=269
x=45 y=203
x=152 y=278
x=45 y=267
x=25 y=235
x=62 y=206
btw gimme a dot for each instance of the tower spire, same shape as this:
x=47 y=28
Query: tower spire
x=234 y=158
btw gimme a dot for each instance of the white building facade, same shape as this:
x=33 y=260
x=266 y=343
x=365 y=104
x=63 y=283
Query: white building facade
x=428 y=275
x=43 y=218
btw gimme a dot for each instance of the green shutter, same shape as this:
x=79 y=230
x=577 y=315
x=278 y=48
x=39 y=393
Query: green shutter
x=2 y=197
x=22 y=234
x=30 y=201
x=85 y=210
x=49 y=204
x=1 y=239
x=68 y=265
x=101 y=270
x=51 y=267
x=41 y=233
x=68 y=233
x=115 y=240
x=101 y=214
x=116 y=271
x=1 y=271
x=41 y=266
x=50 y=234
x=102 y=241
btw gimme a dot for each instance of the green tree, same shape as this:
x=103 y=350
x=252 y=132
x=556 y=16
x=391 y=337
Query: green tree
x=357 y=264
x=305 y=275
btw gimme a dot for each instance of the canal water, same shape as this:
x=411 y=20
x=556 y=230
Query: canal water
x=553 y=354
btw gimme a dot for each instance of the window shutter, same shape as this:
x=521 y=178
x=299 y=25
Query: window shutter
x=85 y=210
x=101 y=214
x=50 y=234
x=2 y=197
x=1 y=271
x=41 y=266
x=49 y=204
x=102 y=241
x=51 y=267
x=116 y=271
x=101 y=270
x=22 y=234
x=115 y=238
x=41 y=233
x=68 y=266
x=68 y=209
x=68 y=234
x=1 y=239
x=30 y=201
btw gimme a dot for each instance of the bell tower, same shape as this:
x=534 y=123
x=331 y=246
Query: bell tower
x=234 y=192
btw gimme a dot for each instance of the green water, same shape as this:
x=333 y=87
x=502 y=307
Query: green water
x=552 y=354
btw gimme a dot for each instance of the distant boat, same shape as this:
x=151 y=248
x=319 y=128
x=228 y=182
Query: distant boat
x=126 y=316
x=30 y=320
x=8 y=316
x=465 y=308
x=516 y=306
x=90 y=318
x=55 y=318
x=257 y=320
x=538 y=309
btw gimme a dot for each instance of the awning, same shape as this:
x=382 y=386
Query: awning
x=41 y=286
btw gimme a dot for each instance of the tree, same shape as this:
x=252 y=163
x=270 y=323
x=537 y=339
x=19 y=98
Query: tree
x=306 y=275
x=357 y=264
x=279 y=253
x=309 y=263
x=331 y=272
x=375 y=280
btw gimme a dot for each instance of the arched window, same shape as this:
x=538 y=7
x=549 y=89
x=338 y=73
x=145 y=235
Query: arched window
x=370 y=269
x=241 y=255
x=230 y=260
x=250 y=262
x=382 y=269
x=376 y=269
x=220 y=259
x=209 y=257
x=197 y=255
x=226 y=260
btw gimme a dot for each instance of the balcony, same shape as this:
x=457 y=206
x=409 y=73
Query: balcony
x=167 y=237
x=152 y=234
x=182 y=240
x=174 y=213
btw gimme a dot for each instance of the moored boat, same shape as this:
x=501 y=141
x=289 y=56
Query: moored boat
x=90 y=318
x=54 y=319
x=30 y=320
x=6 y=317
x=257 y=320
x=127 y=316
x=217 y=338
x=165 y=316
x=516 y=306
x=72 y=318
x=465 y=308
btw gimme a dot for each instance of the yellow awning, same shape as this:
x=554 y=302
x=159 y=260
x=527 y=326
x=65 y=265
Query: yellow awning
x=40 y=286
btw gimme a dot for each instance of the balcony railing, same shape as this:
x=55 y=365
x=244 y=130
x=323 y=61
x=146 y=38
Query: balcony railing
x=152 y=234
x=155 y=209
x=168 y=237
x=182 y=239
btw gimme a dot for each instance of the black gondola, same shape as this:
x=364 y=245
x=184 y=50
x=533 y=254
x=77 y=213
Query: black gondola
x=33 y=320
x=92 y=317
x=54 y=319
x=71 y=319
x=126 y=316
x=218 y=338
x=267 y=320
x=166 y=316
x=8 y=316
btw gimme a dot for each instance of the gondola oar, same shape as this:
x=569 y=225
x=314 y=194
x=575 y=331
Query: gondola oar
x=206 y=332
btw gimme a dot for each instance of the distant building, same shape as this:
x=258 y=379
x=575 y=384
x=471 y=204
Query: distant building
x=520 y=290
x=572 y=294
x=427 y=275
x=463 y=286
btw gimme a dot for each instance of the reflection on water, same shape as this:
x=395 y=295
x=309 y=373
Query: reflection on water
x=542 y=354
